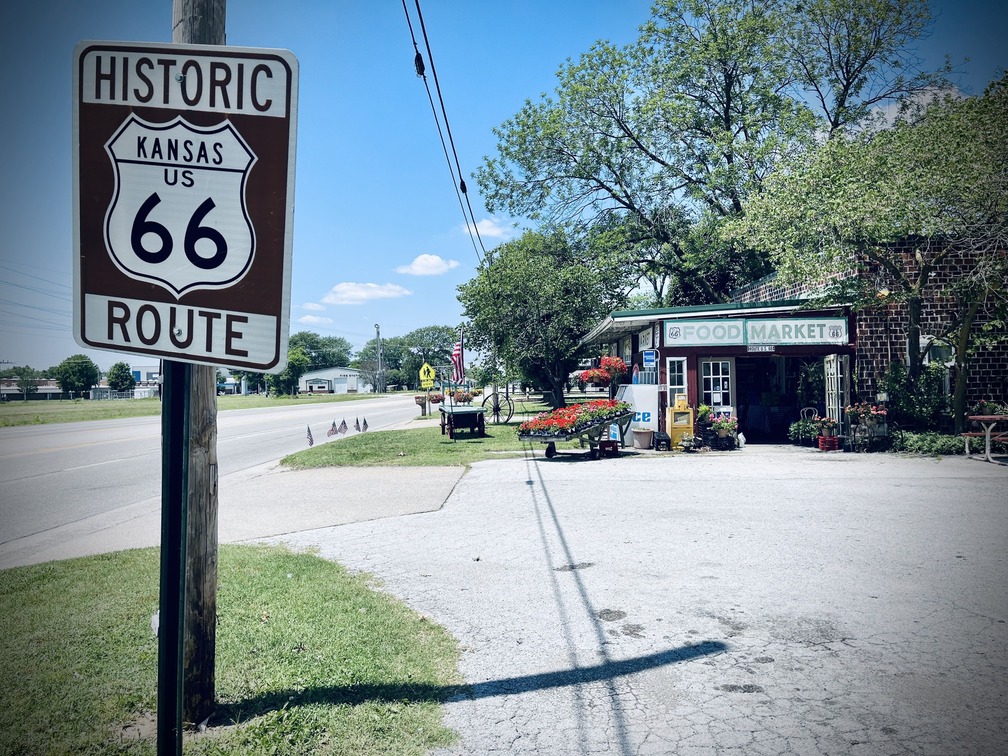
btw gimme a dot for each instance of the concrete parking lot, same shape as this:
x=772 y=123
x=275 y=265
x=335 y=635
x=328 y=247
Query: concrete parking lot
x=773 y=600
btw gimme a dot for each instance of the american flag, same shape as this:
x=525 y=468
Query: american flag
x=458 y=361
x=356 y=424
x=364 y=426
x=332 y=431
x=311 y=440
x=342 y=427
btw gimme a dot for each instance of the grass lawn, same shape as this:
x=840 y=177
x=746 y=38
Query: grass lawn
x=37 y=412
x=310 y=659
x=425 y=446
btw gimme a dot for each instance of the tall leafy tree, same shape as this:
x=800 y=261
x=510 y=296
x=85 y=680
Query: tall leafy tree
x=939 y=182
x=851 y=56
x=120 y=377
x=690 y=120
x=531 y=302
x=77 y=374
x=430 y=344
x=26 y=378
x=287 y=380
x=323 y=351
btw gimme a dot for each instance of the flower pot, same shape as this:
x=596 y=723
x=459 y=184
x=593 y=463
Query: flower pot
x=642 y=438
x=722 y=433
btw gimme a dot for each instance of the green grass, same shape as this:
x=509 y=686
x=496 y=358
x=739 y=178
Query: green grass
x=310 y=659
x=37 y=412
x=423 y=447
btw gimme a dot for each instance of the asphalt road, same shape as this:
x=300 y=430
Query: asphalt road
x=55 y=475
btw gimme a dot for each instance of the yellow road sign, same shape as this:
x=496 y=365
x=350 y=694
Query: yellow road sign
x=427 y=373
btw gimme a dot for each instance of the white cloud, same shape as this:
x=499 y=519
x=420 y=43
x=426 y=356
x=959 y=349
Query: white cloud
x=427 y=265
x=348 y=293
x=493 y=228
x=315 y=320
x=313 y=306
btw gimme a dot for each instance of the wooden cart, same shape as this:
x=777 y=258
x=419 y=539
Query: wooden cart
x=460 y=416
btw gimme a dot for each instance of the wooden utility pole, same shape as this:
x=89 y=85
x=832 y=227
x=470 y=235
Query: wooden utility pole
x=200 y=22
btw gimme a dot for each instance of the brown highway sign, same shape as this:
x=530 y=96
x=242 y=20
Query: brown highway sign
x=183 y=201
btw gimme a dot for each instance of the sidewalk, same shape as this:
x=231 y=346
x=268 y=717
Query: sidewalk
x=258 y=502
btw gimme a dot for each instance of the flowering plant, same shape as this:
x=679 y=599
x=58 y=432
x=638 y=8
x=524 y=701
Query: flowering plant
x=594 y=375
x=724 y=422
x=865 y=412
x=613 y=365
x=436 y=398
x=704 y=413
x=573 y=418
x=462 y=397
x=826 y=424
x=608 y=371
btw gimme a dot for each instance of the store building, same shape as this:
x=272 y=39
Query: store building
x=771 y=353
x=751 y=359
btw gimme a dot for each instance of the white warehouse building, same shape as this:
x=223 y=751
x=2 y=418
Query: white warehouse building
x=335 y=380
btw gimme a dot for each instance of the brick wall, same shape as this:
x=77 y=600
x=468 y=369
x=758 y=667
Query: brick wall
x=881 y=330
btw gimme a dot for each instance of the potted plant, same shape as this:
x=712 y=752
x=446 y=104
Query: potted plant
x=594 y=376
x=865 y=413
x=703 y=414
x=827 y=426
x=724 y=424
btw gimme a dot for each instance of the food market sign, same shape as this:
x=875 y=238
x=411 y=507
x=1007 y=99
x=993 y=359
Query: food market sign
x=183 y=201
x=755 y=332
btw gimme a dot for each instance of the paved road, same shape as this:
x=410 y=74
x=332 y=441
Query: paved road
x=773 y=600
x=81 y=477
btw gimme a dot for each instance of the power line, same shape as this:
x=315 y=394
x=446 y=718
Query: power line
x=458 y=182
x=460 y=186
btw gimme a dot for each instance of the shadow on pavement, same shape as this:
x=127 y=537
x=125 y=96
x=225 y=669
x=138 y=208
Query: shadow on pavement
x=404 y=692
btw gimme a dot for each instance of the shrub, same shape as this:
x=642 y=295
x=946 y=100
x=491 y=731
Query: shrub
x=934 y=444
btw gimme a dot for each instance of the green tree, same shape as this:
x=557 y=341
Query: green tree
x=26 y=378
x=323 y=351
x=253 y=381
x=938 y=181
x=287 y=380
x=687 y=123
x=120 y=377
x=77 y=374
x=430 y=344
x=530 y=303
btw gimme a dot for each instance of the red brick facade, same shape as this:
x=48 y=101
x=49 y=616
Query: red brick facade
x=881 y=331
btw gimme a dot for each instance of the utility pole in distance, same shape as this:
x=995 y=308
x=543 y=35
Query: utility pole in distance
x=200 y=22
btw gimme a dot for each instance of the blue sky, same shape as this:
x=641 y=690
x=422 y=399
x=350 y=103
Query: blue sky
x=378 y=233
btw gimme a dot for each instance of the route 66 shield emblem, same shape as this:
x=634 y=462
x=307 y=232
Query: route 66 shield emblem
x=178 y=216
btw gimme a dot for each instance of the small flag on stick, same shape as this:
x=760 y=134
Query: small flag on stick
x=356 y=424
x=364 y=427
x=333 y=430
x=311 y=440
x=342 y=427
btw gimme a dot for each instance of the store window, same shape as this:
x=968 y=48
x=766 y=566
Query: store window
x=717 y=383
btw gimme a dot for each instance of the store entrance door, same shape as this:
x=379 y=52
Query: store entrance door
x=837 y=368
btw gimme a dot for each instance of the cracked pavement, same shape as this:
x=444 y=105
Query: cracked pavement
x=773 y=600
